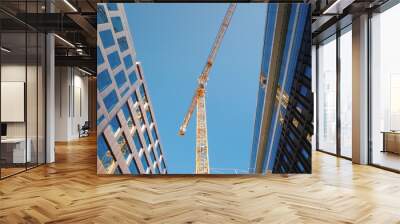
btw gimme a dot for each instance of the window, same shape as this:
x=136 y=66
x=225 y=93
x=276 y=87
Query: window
x=154 y=134
x=346 y=94
x=136 y=140
x=101 y=118
x=110 y=100
x=103 y=80
x=300 y=166
x=163 y=164
x=100 y=59
x=133 y=167
x=101 y=15
x=149 y=117
x=153 y=156
x=305 y=153
x=307 y=72
x=144 y=162
x=139 y=115
x=112 y=6
x=114 y=125
x=123 y=44
x=132 y=77
x=117 y=171
x=104 y=153
x=128 y=61
x=147 y=138
x=117 y=24
x=120 y=78
x=159 y=150
x=114 y=60
x=303 y=91
x=123 y=144
x=134 y=97
x=327 y=96
x=107 y=38
x=128 y=116
x=143 y=93
x=125 y=91
x=385 y=89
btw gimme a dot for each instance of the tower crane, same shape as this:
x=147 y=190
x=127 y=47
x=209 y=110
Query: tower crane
x=199 y=100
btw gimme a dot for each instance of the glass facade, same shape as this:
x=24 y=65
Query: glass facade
x=22 y=101
x=327 y=75
x=334 y=94
x=385 y=89
x=346 y=93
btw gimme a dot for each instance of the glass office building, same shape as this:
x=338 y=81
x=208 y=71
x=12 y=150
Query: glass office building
x=128 y=141
x=284 y=115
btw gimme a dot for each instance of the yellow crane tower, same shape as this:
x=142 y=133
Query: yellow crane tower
x=199 y=100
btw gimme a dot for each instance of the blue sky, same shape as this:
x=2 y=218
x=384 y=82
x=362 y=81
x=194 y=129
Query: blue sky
x=172 y=42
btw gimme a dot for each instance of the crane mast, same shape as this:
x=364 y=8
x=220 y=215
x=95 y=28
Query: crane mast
x=199 y=101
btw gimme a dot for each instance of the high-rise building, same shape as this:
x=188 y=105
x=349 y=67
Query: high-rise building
x=283 y=124
x=128 y=141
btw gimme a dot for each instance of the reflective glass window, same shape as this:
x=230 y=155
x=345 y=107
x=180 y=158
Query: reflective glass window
x=128 y=116
x=134 y=97
x=100 y=58
x=327 y=96
x=103 y=80
x=132 y=77
x=149 y=117
x=133 y=167
x=123 y=44
x=114 y=59
x=128 y=61
x=112 y=6
x=136 y=140
x=101 y=15
x=110 y=100
x=144 y=162
x=154 y=134
x=117 y=24
x=107 y=38
x=147 y=138
x=120 y=78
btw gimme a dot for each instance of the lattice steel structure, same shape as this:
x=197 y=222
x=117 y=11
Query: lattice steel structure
x=127 y=136
x=284 y=115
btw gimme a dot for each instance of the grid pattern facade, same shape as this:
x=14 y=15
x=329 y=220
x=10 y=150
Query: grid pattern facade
x=127 y=135
x=287 y=136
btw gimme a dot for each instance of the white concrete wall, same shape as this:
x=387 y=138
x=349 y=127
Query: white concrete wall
x=71 y=87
